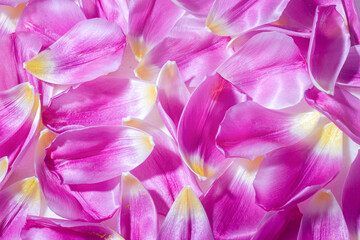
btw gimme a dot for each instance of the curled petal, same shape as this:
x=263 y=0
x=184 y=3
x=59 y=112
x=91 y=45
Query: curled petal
x=352 y=14
x=186 y=219
x=350 y=72
x=323 y=219
x=329 y=47
x=104 y=101
x=88 y=50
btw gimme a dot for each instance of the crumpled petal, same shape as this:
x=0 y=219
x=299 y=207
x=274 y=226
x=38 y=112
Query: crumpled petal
x=88 y=50
x=149 y=22
x=323 y=219
x=50 y=19
x=329 y=47
x=9 y=18
x=230 y=202
x=104 y=101
x=199 y=8
x=230 y=18
x=186 y=219
x=88 y=202
x=173 y=96
x=196 y=52
x=343 y=109
x=270 y=69
x=164 y=174
x=38 y=228
x=304 y=169
x=350 y=72
x=249 y=130
x=96 y=154
x=138 y=217
x=199 y=124
x=16 y=202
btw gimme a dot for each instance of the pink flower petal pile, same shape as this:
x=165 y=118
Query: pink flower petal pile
x=179 y=119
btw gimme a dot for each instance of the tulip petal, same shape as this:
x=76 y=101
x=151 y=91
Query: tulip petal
x=138 y=217
x=350 y=72
x=270 y=69
x=37 y=228
x=230 y=202
x=305 y=168
x=323 y=219
x=4 y=167
x=343 y=109
x=230 y=18
x=199 y=123
x=173 y=96
x=9 y=18
x=329 y=47
x=104 y=101
x=164 y=174
x=12 y=3
x=196 y=52
x=96 y=154
x=50 y=19
x=199 y=8
x=352 y=14
x=149 y=22
x=249 y=130
x=88 y=50
x=186 y=219
x=16 y=202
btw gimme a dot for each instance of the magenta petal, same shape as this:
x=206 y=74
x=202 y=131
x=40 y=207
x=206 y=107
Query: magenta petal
x=249 y=130
x=138 y=217
x=12 y=3
x=37 y=228
x=186 y=219
x=199 y=8
x=230 y=202
x=323 y=219
x=96 y=154
x=164 y=174
x=353 y=17
x=104 y=101
x=230 y=18
x=270 y=69
x=329 y=47
x=88 y=50
x=343 y=109
x=200 y=121
x=350 y=72
x=304 y=169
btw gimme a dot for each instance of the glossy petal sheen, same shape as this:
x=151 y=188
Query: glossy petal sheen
x=138 y=217
x=270 y=69
x=229 y=18
x=96 y=154
x=186 y=219
x=323 y=219
x=350 y=72
x=200 y=121
x=329 y=47
x=197 y=7
x=37 y=228
x=230 y=202
x=249 y=130
x=88 y=50
x=104 y=101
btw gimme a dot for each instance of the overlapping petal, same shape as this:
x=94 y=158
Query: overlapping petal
x=353 y=19
x=9 y=17
x=199 y=8
x=350 y=72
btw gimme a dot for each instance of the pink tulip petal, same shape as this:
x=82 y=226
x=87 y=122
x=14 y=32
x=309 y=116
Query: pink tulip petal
x=4 y=167
x=149 y=22
x=37 y=228
x=88 y=50
x=343 y=109
x=199 y=8
x=230 y=202
x=88 y=202
x=16 y=202
x=9 y=18
x=249 y=130
x=230 y=18
x=304 y=168
x=353 y=19
x=186 y=219
x=279 y=225
x=350 y=72
x=138 y=217
x=270 y=69
x=173 y=96
x=104 y=101
x=200 y=121
x=164 y=174
x=12 y=3
x=329 y=47
x=196 y=52
x=323 y=219
x=96 y=154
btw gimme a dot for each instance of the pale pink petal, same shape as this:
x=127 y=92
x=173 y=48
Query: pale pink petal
x=199 y=8
x=9 y=18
